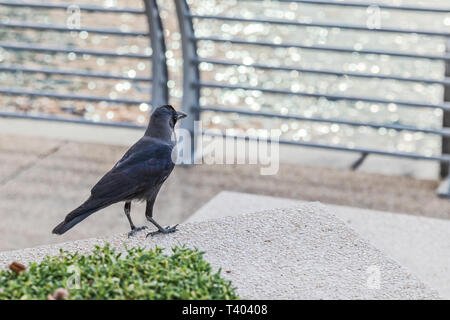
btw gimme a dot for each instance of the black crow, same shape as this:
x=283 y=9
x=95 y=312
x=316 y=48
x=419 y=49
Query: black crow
x=137 y=176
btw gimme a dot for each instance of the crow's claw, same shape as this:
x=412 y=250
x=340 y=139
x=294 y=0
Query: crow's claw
x=135 y=230
x=168 y=229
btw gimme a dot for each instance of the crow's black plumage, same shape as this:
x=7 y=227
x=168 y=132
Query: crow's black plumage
x=137 y=176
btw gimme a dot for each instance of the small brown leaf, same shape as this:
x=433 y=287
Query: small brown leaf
x=60 y=294
x=17 y=267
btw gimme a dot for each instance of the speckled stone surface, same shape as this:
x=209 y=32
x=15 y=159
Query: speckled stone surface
x=420 y=244
x=297 y=253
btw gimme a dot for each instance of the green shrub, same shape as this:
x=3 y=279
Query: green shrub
x=107 y=274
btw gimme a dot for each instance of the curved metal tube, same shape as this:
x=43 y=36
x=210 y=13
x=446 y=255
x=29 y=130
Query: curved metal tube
x=191 y=74
x=160 y=92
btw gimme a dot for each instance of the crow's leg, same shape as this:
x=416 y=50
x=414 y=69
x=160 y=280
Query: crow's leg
x=127 y=209
x=149 y=216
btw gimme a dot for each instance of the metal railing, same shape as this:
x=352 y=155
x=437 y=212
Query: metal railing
x=158 y=79
x=193 y=84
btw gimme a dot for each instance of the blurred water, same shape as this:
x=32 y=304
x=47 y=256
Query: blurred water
x=252 y=100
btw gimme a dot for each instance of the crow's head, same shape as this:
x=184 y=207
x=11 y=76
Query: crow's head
x=162 y=122
x=168 y=115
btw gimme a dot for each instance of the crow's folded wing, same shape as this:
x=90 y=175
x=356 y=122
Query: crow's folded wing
x=140 y=171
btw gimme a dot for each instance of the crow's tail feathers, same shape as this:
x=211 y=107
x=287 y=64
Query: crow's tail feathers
x=79 y=214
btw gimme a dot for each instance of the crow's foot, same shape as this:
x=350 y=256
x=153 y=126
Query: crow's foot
x=135 y=230
x=167 y=229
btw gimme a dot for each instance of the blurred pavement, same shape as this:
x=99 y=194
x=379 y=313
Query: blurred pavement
x=42 y=179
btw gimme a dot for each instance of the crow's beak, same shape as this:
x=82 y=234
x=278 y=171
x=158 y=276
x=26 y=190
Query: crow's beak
x=181 y=115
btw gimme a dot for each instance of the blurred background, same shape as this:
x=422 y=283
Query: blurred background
x=352 y=76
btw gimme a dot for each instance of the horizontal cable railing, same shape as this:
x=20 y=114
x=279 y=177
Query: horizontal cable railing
x=445 y=81
x=64 y=96
x=39 y=48
x=331 y=97
x=87 y=74
x=326 y=48
x=443 y=158
x=372 y=4
x=50 y=27
x=397 y=127
x=56 y=6
x=322 y=25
